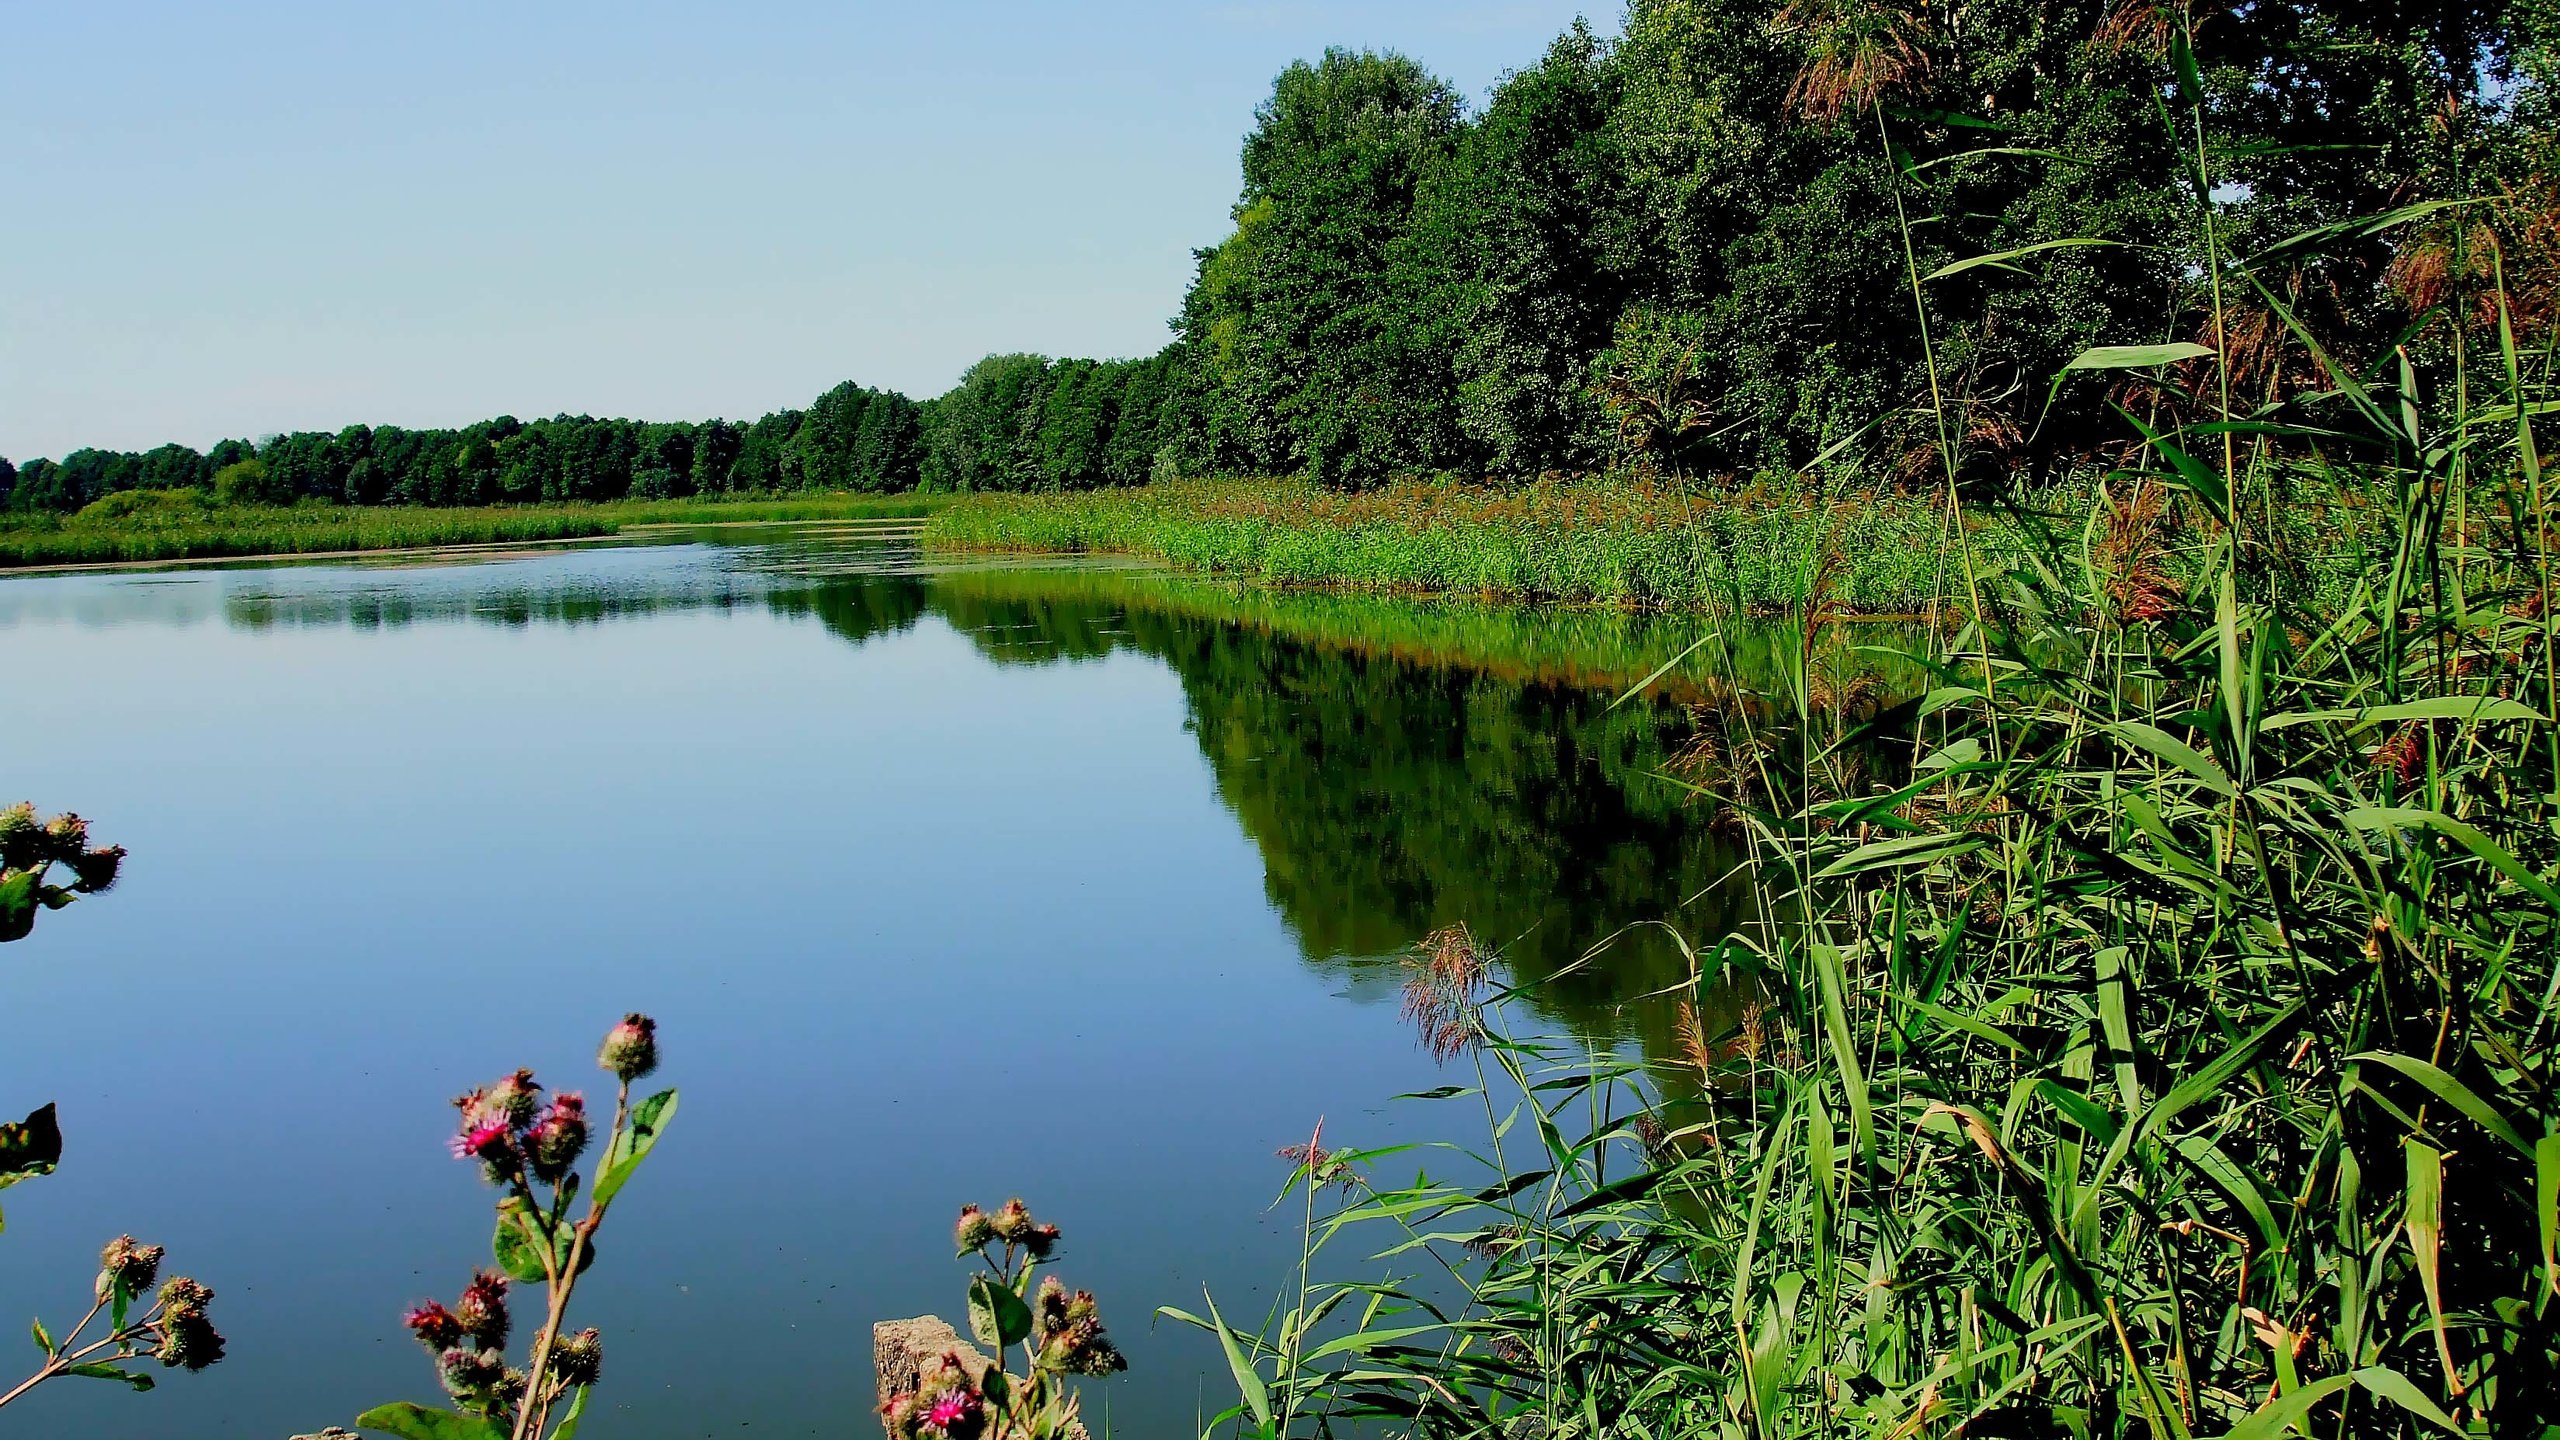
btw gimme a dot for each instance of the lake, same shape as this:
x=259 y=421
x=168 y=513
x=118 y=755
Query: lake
x=1079 y=882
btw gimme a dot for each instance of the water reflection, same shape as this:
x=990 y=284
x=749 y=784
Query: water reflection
x=1399 y=765
x=873 y=835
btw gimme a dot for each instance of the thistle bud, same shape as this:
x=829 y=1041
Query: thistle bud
x=96 y=870
x=557 y=1138
x=578 y=1359
x=435 y=1327
x=899 y=1413
x=1071 y=1338
x=630 y=1048
x=1012 y=1223
x=513 y=1099
x=66 y=835
x=973 y=1231
x=182 y=1296
x=1040 y=1240
x=471 y=1376
x=21 y=837
x=187 y=1339
x=127 y=1266
x=482 y=1310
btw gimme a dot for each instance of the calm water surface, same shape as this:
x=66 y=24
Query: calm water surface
x=1069 y=882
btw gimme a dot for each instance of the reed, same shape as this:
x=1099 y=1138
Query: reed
x=2167 y=1049
x=1756 y=549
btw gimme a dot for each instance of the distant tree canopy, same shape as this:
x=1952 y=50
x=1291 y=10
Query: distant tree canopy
x=1680 y=244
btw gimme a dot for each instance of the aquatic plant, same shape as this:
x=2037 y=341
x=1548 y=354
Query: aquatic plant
x=1758 y=548
x=962 y=1396
x=527 y=1149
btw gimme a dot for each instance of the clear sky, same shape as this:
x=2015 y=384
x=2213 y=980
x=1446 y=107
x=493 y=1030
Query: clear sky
x=251 y=217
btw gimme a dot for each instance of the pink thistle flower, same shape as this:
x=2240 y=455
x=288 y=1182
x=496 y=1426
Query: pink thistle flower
x=481 y=1140
x=435 y=1326
x=949 y=1409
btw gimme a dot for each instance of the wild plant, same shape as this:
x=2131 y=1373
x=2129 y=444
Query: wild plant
x=964 y=1396
x=172 y=1325
x=2168 y=1050
x=528 y=1149
x=29 y=850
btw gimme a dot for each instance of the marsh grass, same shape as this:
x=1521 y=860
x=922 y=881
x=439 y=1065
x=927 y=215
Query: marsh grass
x=1755 y=549
x=143 y=526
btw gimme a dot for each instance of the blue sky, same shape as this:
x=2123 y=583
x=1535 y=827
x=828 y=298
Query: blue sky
x=253 y=217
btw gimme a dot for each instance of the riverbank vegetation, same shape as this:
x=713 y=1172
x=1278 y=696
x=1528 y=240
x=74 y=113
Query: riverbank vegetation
x=2164 y=1044
x=1629 y=541
x=187 y=524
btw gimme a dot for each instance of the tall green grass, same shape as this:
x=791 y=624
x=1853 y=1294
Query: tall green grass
x=2168 y=1049
x=1760 y=549
x=141 y=526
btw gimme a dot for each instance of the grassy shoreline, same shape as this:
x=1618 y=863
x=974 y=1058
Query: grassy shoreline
x=185 y=528
x=1761 y=550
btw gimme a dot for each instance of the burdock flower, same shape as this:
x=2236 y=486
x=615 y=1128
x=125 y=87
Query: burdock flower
x=1071 y=1337
x=973 y=1230
x=513 y=1099
x=471 y=1376
x=578 y=1359
x=554 y=1142
x=436 y=1327
x=630 y=1048
x=187 y=1339
x=127 y=1266
x=21 y=836
x=96 y=870
x=483 y=1309
x=66 y=835
x=1013 y=1223
x=956 y=1413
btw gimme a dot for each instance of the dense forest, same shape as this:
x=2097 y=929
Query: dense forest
x=1684 y=246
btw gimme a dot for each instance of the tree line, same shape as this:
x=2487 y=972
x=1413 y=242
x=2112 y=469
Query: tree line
x=1740 y=236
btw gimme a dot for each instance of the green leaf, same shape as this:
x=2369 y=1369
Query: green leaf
x=17 y=905
x=2279 y=1414
x=30 y=1147
x=44 y=1342
x=418 y=1422
x=2002 y=259
x=567 y=1429
x=2452 y=1092
x=2135 y=357
x=520 y=1254
x=2168 y=747
x=996 y=1315
x=1844 y=1051
x=632 y=1144
x=2546 y=1194
x=2391 y=1385
x=2477 y=708
x=96 y=1371
x=2378 y=817
x=1906 y=850
x=1257 y=1397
